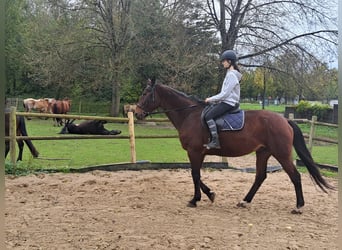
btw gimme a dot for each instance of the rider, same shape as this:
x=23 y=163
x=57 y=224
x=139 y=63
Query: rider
x=228 y=99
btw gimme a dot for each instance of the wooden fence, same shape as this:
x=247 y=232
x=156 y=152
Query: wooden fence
x=131 y=137
x=311 y=137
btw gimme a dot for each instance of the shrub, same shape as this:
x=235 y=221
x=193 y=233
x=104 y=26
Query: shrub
x=303 y=107
x=320 y=111
x=306 y=109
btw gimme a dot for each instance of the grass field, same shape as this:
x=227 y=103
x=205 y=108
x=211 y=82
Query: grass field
x=253 y=106
x=65 y=154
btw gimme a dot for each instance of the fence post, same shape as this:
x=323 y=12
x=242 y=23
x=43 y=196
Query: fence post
x=312 y=132
x=131 y=136
x=13 y=134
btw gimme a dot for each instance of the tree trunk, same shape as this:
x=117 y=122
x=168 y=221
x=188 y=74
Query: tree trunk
x=115 y=106
x=264 y=90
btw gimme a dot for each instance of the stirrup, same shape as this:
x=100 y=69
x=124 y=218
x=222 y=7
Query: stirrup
x=212 y=145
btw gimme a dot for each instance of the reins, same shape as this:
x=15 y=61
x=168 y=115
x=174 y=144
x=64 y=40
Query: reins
x=168 y=110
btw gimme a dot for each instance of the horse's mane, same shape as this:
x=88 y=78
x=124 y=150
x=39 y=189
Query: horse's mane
x=191 y=97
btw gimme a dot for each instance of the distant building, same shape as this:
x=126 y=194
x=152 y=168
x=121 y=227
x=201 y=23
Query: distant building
x=333 y=102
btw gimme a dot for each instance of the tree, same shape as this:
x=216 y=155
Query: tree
x=14 y=47
x=106 y=49
x=250 y=89
x=255 y=28
x=323 y=84
x=111 y=23
x=173 y=42
x=47 y=50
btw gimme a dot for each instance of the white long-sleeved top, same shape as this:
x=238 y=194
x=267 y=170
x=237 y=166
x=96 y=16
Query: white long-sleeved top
x=230 y=90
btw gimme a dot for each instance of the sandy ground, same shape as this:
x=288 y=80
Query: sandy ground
x=147 y=210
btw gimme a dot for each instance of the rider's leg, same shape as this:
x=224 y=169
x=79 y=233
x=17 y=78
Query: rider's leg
x=214 y=143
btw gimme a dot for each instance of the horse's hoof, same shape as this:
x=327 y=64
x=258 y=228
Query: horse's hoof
x=191 y=204
x=212 y=197
x=297 y=211
x=243 y=204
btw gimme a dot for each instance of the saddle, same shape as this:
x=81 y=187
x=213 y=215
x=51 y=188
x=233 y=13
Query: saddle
x=230 y=121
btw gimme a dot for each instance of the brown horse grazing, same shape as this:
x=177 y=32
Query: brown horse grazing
x=60 y=107
x=21 y=131
x=265 y=132
x=41 y=105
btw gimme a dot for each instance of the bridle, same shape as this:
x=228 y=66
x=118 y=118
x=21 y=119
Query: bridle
x=152 y=89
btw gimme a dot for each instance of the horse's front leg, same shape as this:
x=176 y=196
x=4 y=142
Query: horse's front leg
x=198 y=187
x=21 y=149
x=7 y=148
x=196 y=178
x=196 y=160
x=206 y=190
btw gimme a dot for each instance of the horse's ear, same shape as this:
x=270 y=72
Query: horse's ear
x=153 y=80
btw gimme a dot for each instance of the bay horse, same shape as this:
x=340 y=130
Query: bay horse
x=60 y=107
x=265 y=132
x=20 y=131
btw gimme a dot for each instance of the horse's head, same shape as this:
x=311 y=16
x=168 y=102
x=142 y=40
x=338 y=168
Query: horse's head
x=148 y=101
x=68 y=125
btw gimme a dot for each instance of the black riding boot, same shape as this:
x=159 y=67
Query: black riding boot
x=214 y=143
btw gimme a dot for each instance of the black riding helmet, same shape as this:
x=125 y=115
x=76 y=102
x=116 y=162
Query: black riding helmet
x=229 y=55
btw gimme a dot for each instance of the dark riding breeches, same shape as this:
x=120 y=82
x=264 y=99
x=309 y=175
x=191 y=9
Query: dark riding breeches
x=217 y=110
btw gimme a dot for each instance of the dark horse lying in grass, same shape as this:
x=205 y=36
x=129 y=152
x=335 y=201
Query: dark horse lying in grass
x=20 y=131
x=267 y=133
x=93 y=127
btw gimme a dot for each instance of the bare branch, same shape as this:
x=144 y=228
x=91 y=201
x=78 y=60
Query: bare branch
x=287 y=42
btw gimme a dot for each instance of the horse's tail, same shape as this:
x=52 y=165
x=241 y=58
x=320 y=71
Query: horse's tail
x=22 y=127
x=305 y=155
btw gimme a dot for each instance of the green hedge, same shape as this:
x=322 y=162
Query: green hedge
x=306 y=109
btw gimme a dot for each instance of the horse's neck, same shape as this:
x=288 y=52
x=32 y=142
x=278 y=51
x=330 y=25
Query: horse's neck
x=177 y=106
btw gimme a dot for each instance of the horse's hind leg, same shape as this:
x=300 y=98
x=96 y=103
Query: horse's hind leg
x=262 y=157
x=294 y=175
